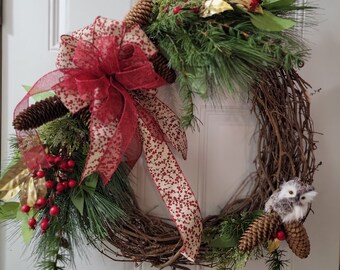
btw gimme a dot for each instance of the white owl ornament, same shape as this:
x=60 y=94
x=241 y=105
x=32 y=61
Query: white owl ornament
x=291 y=201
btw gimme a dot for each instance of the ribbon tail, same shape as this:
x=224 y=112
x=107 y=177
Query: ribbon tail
x=175 y=191
x=121 y=140
x=168 y=121
x=110 y=140
x=99 y=140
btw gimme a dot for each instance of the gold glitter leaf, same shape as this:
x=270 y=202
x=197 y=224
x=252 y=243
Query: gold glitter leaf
x=9 y=194
x=273 y=245
x=28 y=194
x=15 y=176
x=40 y=186
x=213 y=7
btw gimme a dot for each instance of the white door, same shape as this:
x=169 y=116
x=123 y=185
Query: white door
x=220 y=155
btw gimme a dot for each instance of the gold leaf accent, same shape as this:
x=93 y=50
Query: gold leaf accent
x=40 y=186
x=28 y=194
x=23 y=194
x=273 y=245
x=9 y=194
x=213 y=7
x=15 y=176
x=32 y=195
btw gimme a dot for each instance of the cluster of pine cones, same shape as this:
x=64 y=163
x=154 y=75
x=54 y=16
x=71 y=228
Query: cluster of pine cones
x=265 y=227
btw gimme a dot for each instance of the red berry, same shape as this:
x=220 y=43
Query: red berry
x=57 y=159
x=177 y=9
x=40 y=203
x=63 y=165
x=41 y=174
x=44 y=224
x=196 y=10
x=71 y=163
x=65 y=184
x=54 y=211
x=45 y=219
x=281 y=235
x=60 y=187
x=49 y=184
x=32 y=222
x=50 y=158
x=25 y=208
x=72 y=183
x=185 y=1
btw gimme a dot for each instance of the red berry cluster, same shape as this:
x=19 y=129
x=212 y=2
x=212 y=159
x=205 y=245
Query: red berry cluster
x=254 y=4
x=179 y=8
x=41 y=203
x=62 y=163
x=183 y=7
x=59 y=181
x=62 y=168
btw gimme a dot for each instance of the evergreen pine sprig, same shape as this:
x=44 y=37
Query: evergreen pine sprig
x=276 y=261
x=224 y=53
x=67 y=133
x=223 y=242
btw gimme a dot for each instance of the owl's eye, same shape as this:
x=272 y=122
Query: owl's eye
x=303 y=197
x=290 y=192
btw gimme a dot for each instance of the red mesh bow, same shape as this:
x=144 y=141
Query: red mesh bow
x=105 y=66
x=103 y=76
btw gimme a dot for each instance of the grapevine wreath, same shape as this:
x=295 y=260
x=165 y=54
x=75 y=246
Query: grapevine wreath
x=74 y=150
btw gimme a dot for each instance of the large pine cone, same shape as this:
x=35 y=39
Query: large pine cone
x=297 y=239
x=40 y=113
x=260 y=231
x=140 y=13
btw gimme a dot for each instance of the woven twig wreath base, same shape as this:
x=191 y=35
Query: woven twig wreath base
x=285 y=149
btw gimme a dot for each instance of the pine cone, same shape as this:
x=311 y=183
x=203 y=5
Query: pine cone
x=40 y=113
x=140 y=13
x=297 y=239
x=162 y=68
x=84 y=115
x=259 y=231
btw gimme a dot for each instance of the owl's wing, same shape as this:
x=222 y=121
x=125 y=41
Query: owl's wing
x=269 y=206
x=283 y=207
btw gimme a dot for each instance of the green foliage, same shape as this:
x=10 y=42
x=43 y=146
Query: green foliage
x=275 y=260
x=26 y=231
x=103 y=208
x=8 y=210
x=230 y=230
x=269 y=22
x=67 y=133
x=223 y=241
x=230 y=259
x=78 y=199
x=222 y=54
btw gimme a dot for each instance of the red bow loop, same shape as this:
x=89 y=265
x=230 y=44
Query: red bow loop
x=87 y=58
x=108 y=54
